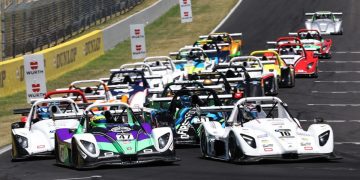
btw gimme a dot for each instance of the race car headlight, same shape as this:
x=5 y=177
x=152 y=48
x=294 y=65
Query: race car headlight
x=324 y=137
x=310 y=65
x=89 y=146
x=249 y=140
x=163 y=140
x=23 y=141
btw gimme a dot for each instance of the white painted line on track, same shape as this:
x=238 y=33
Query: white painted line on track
x=346 y=52
x=335 y=105
x=89 y=177
x=340 y=143
x=333 y=121
x=339 y=72
x=337 y=81
x=5 y=149
x=340 y=62
x=227 y=16
x=335 y=92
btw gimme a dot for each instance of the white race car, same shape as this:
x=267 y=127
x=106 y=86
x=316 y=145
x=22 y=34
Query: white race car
x=325 y=22
x=35 y=137
x=261 y=128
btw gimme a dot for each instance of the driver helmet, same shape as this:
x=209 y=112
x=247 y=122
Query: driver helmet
x=98 y=120
x=208 y=82
x=43 y=113
x=185 y=100
x=250 y=112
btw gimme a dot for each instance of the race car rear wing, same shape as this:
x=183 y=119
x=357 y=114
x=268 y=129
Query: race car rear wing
x=67 y=116
x=293 y=34
x=23 y=111
x=168 y=99
x=232 y=35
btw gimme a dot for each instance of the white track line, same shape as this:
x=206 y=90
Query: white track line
x=340 y=143
x=89 y=177
x=335 y=105
x=339 y=72
x=227 y=17
x=335 y=92
x=340 y=62
x=5 y=149
x=333 y=121
x=346 y=52
x=337 y=81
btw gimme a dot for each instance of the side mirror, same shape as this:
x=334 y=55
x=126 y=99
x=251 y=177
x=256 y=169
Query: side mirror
x=319 y=120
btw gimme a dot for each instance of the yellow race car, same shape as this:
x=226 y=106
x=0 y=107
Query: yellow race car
x=273 y=63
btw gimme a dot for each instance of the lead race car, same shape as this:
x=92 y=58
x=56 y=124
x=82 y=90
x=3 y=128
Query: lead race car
x=113 y=137
x=325 y=22
x=261 y=128
x=35 y=136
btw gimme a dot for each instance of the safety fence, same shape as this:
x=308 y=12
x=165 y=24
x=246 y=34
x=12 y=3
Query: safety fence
x=35 y=25
x=75 y=53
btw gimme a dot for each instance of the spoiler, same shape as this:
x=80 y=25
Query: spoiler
x=309 y=14
x=67 y=116
x=168 y=99
x=293 y=34
x=23 y=111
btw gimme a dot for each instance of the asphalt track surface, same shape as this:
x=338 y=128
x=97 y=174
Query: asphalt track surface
x=333 y=96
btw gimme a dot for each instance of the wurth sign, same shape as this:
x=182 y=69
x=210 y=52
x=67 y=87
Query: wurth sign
x=137 y=35
x=185 y=11
x=34 y=76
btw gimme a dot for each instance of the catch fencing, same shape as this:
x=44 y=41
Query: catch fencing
x=31 y=25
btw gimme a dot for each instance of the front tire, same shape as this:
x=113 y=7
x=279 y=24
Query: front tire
x=203 y=143
x=234 y=151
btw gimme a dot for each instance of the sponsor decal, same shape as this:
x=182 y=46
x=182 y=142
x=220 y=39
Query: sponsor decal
x=129 y=148
x=108 y=154
x=308 y=148
x=65 y=58
x=305 y=144
x=138 y=47
x=35 y=88
x=186 y=14
x=268 y=149
x=92 y=46
x=34 y=65
x=40 y=146
x=137 y=31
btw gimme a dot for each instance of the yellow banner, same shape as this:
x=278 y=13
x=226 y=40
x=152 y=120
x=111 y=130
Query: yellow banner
x=58 y=61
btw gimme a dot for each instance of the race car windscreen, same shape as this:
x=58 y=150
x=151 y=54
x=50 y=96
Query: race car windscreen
x=130 y=78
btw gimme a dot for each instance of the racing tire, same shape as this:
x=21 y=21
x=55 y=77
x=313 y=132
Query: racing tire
x=276 y=88
x=316 y=74
x=74 y=155
x=56 y=152
x=203 y=143
x=234 y=151
x=292 y=79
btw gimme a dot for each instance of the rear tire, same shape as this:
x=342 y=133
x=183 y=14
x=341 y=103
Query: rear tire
x=74 y=155
x=203 y=143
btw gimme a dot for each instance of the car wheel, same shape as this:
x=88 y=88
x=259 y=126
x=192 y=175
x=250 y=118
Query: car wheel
x=74 y=154
x=316 y=74
x=234 y=151
x=57 y=149
x=292 y=79
x=203 y=143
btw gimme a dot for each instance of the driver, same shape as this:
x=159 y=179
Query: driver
x=98 y=120
x=43 y=113
x=253 y=111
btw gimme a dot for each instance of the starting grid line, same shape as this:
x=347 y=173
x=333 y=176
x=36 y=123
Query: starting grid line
x=333 y=121
x=335 y=105
x=339 y=72
x=346 y=52
x=335 y=92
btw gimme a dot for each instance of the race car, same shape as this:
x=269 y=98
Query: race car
x=34 y=137
x=273 y=63
x=94 y=90
x=154 y=74
x=261 y=128
x=130 y=86
x=164 y=65
x=312 y=40
x=304 y=62
x=192 y=59
x=228 y=46
x=178 y=112
x=325 y=22
x=254 y=67
x=284 y=40
x=113 y=137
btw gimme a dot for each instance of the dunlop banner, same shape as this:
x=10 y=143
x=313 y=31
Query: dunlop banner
x=58 y=61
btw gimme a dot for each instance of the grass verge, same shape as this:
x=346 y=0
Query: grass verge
x=163 y=36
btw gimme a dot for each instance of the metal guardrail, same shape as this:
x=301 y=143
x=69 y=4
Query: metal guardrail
x=31 y=26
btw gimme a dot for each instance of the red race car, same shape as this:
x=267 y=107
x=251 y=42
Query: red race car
x=312 y=40
x=304 y=62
